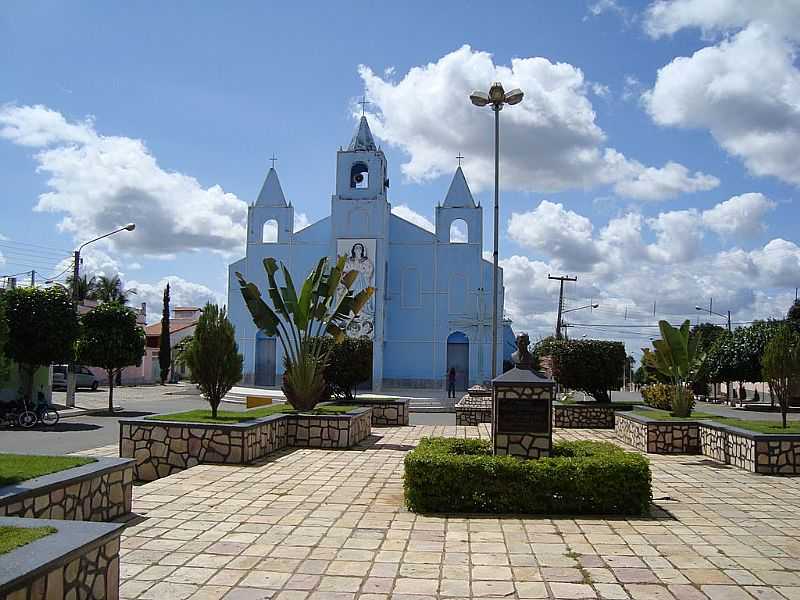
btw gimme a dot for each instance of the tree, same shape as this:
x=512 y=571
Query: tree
x=42 y=329
x=326 y=304
x=213 y=356
x=5 y=363
x=707 y=335
x=86 y=286
x=110 y=289
x=781 y=364
x=675 y=355
x=112 y=340
x=590 y=366
x=349 y=364
x=164 y=348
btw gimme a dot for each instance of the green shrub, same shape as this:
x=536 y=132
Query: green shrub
x=660 y=395
x=453 y=475
x=349 y=364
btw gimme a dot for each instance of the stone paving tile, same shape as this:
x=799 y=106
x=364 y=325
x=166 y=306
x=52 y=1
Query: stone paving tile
x=312 y=524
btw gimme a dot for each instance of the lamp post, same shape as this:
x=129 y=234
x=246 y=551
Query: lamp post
x=496 y=99
x=76 y=267
x=728 y=317
x=563 y=312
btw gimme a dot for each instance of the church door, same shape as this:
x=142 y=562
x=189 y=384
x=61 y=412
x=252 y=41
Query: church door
x=265 y=361
x=458 y=358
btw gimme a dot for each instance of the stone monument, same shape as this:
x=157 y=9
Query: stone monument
x=522 y=407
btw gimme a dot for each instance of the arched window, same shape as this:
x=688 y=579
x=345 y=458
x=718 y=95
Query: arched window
x=359 y=176
x=269 y=235
x=459 y=231
x=410 y=288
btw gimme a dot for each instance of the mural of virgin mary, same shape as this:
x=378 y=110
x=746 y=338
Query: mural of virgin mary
x=358 y=261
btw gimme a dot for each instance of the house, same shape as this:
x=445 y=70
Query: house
x=182 y=324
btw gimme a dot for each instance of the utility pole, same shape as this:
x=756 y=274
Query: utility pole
x=561 y=279
x=33 y=278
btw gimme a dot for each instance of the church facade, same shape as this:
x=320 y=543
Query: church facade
x=432 y=304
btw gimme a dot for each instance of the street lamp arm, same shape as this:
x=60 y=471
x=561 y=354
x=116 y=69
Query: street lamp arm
x=711 y=312
x=580 y=308
x=128 y=227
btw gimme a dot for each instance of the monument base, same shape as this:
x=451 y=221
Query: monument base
x=524 y=445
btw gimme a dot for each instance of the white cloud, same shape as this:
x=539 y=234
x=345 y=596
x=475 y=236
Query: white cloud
x=678 y=236
x=562 y=233
x=666 y=17
x=181 y=291
x=550 y=141
x=405 y=212
x=744 y=89
x=739 y=216
x=673 y=179
x=99 y=182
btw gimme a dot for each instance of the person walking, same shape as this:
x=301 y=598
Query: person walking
x=451 y=383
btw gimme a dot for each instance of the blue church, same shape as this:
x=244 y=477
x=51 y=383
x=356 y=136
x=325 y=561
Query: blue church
x=432 y=304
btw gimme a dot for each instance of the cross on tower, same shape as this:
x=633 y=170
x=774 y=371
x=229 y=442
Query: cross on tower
x=459 y=157
x=273 y=159
x=363 y=104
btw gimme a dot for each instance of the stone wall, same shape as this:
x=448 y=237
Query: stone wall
x=586 y=416
x=524 y=445
x=770 y=454
x=97 y=491
x=472 y=410
x=71 y=564
x=391 y=413
x=161 y=448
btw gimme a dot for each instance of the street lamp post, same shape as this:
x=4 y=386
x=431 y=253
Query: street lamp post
x=496 y=99
x=76 y=267
x=728 y=317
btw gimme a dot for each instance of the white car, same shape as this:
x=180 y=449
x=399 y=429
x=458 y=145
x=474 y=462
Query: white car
x=84 y=378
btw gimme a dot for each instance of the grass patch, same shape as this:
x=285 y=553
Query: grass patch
x=455 y=475
x=19 y=467
x=227 y=417
x=14 y=537
x=748 y=424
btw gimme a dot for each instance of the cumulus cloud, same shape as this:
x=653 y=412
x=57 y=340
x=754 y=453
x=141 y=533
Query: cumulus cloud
x=551 y=141
x=98 y=182
x=743 y=89
x=739 y=216
x=181 y=291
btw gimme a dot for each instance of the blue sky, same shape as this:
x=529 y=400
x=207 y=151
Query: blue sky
x=613 y=170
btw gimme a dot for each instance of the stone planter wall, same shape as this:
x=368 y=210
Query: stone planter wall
x=770 y=454
x=328 y=431
x=586 y=416
x=97 y=491
x=81 y=560
x=161 y=448
x=389 y=413
x=473 y=416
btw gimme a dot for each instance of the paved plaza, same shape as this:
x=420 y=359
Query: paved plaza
x=317 y=524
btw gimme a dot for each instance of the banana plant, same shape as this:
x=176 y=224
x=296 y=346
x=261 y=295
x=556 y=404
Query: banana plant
x=676 y=357
x=325 y=305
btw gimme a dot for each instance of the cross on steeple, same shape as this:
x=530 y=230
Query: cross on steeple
x=459 y=157
x=363 y=104
x=273 y=159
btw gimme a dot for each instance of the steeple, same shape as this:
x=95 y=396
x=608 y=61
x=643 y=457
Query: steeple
x=363 y=139
x=459 y=195
x=271 y=193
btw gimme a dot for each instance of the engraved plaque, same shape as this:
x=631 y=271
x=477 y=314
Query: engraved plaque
x=522 y=415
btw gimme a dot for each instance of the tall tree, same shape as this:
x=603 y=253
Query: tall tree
x=112 y=340
x=42 y=329
x=5 y=363
x=781 y=364
x=86 y=286
x=794 y=314
x=213 y=357
x=164 y=348
x=110 y=289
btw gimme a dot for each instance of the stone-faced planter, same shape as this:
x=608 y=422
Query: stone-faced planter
x=161 y=448
x=97 y=491
x=80 y=560
x=387 y=413
x=587 y=415
x=473 y=410
x=766 y=453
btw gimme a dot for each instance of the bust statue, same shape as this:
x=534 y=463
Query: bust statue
x=522 y=358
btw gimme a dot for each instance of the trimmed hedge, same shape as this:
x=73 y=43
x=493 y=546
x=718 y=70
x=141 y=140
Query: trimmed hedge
x=453 y=475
